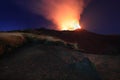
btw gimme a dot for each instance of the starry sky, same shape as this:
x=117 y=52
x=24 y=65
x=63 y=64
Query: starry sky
x=100 y=16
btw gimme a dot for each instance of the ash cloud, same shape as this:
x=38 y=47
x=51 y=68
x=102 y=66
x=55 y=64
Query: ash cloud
x=55 y=10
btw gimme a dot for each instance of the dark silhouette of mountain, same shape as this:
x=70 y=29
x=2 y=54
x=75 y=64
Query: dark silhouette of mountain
x=87 y=41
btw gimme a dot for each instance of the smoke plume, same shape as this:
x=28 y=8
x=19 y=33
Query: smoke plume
x=60 y=12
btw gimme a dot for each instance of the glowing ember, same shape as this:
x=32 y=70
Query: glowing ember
x=70 y=25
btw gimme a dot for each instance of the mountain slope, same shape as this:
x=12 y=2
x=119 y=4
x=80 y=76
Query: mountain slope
x=87 y=41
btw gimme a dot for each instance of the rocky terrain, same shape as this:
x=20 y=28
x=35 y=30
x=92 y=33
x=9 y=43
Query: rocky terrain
x=33 y=55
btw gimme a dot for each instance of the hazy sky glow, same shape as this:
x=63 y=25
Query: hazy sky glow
x=100 y=16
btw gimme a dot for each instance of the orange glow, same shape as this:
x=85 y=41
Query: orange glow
x=64 y=14
x=67 y=18
x=70 y=25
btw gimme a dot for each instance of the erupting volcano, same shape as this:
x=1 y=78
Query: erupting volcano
x=65 y=14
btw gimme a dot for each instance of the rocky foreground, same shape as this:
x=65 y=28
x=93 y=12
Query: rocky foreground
x=29 y=56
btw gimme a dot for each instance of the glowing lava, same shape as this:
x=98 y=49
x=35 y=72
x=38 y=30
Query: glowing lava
x=70 y=25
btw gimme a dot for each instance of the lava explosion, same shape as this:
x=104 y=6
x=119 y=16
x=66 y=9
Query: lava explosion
x=70 y=25
x=63 y=13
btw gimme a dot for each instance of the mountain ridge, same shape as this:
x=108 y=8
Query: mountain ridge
x=88 y=41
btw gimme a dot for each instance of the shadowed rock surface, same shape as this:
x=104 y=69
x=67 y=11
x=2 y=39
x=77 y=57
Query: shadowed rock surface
x=38 y=61
x=107 y=65
x=29 y=56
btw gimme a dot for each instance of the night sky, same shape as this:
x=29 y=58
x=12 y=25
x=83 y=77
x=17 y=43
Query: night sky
x=100 y=16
